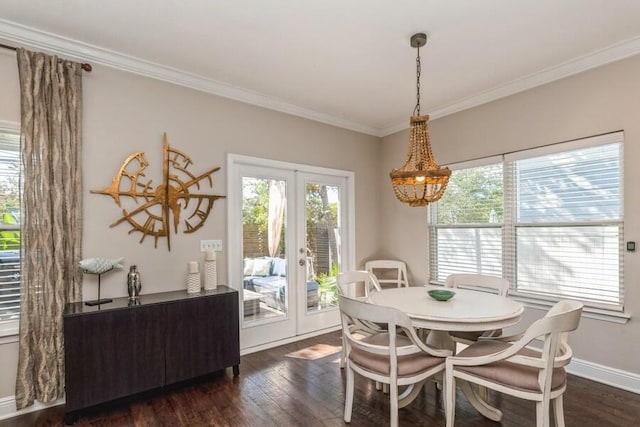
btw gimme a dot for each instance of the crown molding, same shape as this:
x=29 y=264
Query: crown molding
x=76 y=50
x=599 y=58
x=73 y=49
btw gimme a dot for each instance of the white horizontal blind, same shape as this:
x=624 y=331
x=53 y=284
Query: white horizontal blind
x=465 y=231
x=553 y=226
x=568 y=225
x=9 y=227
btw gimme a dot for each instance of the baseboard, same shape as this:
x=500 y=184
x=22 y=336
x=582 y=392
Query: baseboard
x=8 y=407
x=603 y=374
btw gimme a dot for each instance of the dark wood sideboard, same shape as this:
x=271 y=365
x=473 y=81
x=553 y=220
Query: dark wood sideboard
x=122 y=348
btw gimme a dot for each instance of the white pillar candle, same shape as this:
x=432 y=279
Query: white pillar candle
x=193 y=266
x=210 y=274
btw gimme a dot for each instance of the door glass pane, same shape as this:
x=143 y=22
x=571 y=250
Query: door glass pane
x=322 y=206
x=265 y=273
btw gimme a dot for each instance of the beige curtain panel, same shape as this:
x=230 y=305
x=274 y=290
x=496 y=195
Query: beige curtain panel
x=51 y=135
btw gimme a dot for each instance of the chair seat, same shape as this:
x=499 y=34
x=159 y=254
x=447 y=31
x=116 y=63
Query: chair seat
x=508 y=373
x=408 y=365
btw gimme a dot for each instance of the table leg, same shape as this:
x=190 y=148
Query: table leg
x=481 y=405
x=410 y=394
x=441 y=339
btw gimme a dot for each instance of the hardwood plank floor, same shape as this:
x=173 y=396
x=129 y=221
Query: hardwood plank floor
x=275 y=389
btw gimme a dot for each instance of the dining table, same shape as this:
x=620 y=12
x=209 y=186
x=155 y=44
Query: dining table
x=467 y=310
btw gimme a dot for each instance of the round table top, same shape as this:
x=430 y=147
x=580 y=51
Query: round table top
x=468 y=310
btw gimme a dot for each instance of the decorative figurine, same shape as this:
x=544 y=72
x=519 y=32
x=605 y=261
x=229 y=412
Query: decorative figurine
x=134 y=284
x=99 y=266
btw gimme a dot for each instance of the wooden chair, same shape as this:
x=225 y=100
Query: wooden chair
x=348 y=286
x=388 y=271
x=387 y=357
x=349 y=280
x=507 y=365
x=482 y=283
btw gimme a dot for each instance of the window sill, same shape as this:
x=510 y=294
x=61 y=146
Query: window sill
x=9 y=332
x=605 y=315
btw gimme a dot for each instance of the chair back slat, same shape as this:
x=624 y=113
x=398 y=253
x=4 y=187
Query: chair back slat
x=478 y=282
x=348 y=283
x=395 y=274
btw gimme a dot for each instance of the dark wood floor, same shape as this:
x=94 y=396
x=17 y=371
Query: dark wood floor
x=275 y=389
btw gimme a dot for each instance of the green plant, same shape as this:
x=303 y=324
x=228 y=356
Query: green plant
x=328 y=286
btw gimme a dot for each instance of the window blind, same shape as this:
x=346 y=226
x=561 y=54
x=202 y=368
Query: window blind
x=9 y=227
x=568 y=222
x=466 y=236
x=550 y=220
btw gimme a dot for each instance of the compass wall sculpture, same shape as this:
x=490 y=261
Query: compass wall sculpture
x=155 y=211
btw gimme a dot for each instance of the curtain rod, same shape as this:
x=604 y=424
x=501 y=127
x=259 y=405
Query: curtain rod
x=85 y=66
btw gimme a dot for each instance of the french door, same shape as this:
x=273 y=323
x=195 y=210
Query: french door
x=290 y=234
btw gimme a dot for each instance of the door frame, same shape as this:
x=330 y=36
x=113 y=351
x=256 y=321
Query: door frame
x=234 y=223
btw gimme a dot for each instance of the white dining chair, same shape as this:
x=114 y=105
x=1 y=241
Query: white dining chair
x=349 y=284
x=391 y=272
x=481 y=283
x=387 y=357
x=509 y=366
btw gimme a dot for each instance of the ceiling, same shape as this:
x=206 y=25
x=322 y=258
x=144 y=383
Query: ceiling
x=343 y=62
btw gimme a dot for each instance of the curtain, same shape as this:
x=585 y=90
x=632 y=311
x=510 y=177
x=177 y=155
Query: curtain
x=277 y=203
x=51 y=129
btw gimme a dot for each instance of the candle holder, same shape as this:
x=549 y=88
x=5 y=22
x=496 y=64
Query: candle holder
x=193 y=278
x=210 y=273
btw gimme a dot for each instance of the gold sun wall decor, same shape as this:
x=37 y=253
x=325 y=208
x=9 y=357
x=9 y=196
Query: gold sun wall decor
x=154 y=211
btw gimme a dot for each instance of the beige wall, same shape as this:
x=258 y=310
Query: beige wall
x=599 y=101
x=124 y=113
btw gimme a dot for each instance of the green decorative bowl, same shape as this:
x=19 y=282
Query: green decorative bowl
x=441 y=294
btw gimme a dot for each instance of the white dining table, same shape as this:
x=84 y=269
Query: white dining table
x=468 y=310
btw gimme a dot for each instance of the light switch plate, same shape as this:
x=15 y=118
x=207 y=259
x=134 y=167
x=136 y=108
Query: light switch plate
x=206 y=245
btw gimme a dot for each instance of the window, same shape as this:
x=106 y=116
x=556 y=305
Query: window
x=9 y=230
x=549 y=220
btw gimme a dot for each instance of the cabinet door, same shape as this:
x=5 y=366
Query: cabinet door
x=202 y=336
x=112 y=354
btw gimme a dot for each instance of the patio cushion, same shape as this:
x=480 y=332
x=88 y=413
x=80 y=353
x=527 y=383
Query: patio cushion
x=261 y=267
x=279 y=267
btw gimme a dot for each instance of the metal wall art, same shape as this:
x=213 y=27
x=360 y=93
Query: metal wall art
x=153 y=211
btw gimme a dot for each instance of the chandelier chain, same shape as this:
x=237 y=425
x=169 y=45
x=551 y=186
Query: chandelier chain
x=416 y=110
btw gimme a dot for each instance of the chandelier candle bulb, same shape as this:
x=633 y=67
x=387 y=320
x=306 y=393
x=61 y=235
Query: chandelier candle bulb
x=193 y=278
x=210 y=273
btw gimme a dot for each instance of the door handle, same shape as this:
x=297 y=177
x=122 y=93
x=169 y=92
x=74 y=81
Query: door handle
x=302 y=262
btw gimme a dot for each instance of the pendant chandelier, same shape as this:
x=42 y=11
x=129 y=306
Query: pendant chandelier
x=420 y=180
